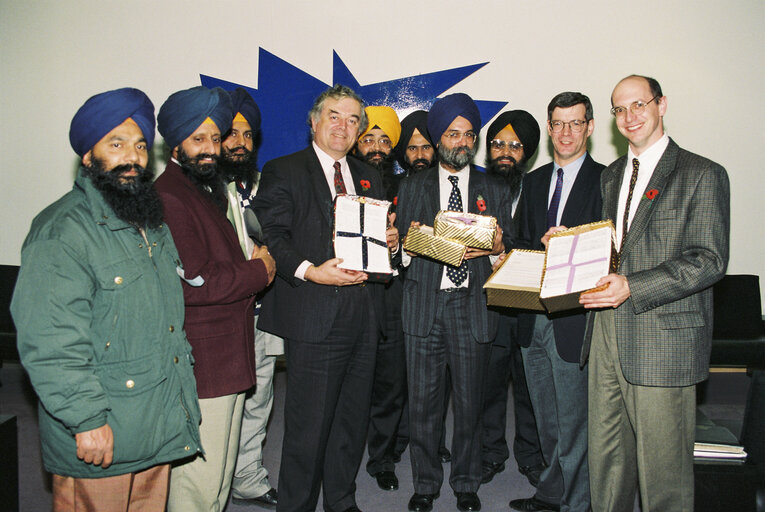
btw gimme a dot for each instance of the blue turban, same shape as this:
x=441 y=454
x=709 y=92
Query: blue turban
x=243 y=103
x=447 y=109
x=417 y=119
x=104 y=112
x=183 y=111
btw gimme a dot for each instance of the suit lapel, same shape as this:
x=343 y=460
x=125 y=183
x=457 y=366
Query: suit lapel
x=433 y=193
x=319 y=183
x=612 y=180
x=658 y=180
x=576 y=198
x=540 y=203
x=476 y=187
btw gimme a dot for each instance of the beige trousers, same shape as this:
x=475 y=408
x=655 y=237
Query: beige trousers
x=637 y=434
x=203 y=483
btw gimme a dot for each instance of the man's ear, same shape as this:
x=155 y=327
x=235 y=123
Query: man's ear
x=87 y=158
x=174 y=153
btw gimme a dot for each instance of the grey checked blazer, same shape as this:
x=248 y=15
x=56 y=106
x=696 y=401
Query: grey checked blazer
x=676 y=249
x=419 y=200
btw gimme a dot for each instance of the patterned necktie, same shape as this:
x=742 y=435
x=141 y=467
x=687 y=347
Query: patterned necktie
x=457 y=275
x=552 y=212
x=339 y=183
x=625 y=221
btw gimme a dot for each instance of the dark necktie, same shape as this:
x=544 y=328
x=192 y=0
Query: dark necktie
x=625 y=221
x=339 y=183
x=457 y=275
x=552 y=212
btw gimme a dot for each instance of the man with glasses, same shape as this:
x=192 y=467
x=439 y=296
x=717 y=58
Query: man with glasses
x=375 y=146
x=565 y=192
x=445 y=317
x=652 y=333
x=511 y=140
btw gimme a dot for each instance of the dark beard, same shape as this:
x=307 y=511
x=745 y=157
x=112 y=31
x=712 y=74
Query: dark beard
x=418 y=165
x=455 y=157
x=512 y=174
x=244 y=171
x=135 y=201
x=205 y=177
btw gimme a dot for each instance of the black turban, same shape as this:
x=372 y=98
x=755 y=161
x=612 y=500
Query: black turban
x=184 y=111
x=104 y=112
x=524 y=125
x=417 y=119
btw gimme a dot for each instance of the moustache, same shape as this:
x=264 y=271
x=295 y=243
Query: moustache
x=421 y=163
x=123 y=169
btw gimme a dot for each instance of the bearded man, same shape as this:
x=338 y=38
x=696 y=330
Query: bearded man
x=445 y=317
x=99 y=313
x=219 y=287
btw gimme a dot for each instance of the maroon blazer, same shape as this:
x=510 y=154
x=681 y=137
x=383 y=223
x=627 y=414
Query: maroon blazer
x=219 y=306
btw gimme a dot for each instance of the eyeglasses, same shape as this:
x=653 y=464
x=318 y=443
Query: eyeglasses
x=576 y=126
x=383 y=142
x=454 y=136
x=637 y=107
x=499 y=145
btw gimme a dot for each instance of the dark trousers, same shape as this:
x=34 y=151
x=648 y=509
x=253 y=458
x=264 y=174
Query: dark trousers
x=506 y=363
x=449 y=342
x=402 y=438
x=326 y=408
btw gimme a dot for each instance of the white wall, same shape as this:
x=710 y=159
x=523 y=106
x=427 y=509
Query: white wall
x=706 y=54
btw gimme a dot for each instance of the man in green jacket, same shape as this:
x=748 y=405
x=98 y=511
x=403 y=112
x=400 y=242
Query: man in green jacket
x=99 y=311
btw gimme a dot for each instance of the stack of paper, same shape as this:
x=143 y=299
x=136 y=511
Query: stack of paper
x=360 y=225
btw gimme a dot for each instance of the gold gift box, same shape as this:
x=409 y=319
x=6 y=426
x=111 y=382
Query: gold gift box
x=422 y=241
x=473 y=230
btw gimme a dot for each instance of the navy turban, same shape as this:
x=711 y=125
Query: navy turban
x=524 y=125
x=243 y=103
x=104 y=112
x=183 y=111
x=417 y=119
x=447 y=109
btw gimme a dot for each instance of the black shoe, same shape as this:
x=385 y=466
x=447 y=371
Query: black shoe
x=532 y=473
x=444 y=455
x=533 y=505
x=386 y=480
x=468 y=501
x=422 y=502
x=354 y=508
x=489 y=469
x=268 y=500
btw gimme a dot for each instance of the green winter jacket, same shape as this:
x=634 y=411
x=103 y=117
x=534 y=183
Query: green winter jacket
x=99 y=314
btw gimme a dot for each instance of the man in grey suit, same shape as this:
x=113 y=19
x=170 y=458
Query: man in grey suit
x=652 y=339
x=444 y=311
x=565 y=192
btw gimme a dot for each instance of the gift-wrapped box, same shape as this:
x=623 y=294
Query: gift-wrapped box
x=473 y=230
x=574 y=261
x=359 y=238
x=422 y=241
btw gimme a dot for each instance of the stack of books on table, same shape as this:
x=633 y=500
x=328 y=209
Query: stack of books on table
x=715 y=443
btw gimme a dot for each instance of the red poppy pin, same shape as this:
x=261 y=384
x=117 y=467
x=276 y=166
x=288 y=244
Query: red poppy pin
x=651 y=194
x=365 y=185
x=481 y=203
x=395 y=201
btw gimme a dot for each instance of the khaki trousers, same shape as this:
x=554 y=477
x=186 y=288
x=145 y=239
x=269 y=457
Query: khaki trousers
x=203 y=483
x=144 y=491
x=637 y=434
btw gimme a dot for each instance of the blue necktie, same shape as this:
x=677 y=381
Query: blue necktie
x=457 y=275
x=552 y=212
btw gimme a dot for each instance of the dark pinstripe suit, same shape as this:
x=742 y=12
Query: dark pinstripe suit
x=460 y=338
x=648 y=353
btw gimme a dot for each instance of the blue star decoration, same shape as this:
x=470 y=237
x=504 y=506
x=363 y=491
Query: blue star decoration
x=286 y=93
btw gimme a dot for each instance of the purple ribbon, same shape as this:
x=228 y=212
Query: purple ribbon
x=570 y=263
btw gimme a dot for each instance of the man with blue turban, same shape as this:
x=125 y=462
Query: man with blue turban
x=446 y=320
x=220 y=277
x=238 y=165
x=99 y=312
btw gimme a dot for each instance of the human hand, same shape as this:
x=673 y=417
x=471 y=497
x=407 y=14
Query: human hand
x=546 y=237
x=263 y=254
x=616 y=291
x=330 y=274
x=391 y=234
x=96 y=446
